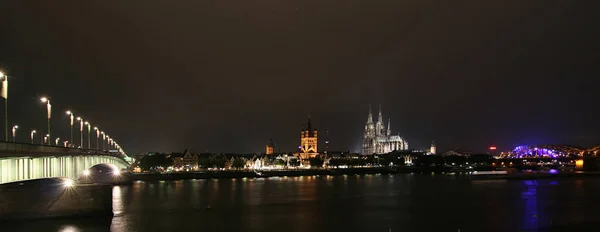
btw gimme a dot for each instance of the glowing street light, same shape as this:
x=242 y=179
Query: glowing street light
x=70 y=113
x=65 y=143
x=103 y=140
x=31 y=135
x=97 y=138
x=47 y=101
x=68 y=183
x=80 y=119
x=56 y=141
x=89 y=126
x=14 y=133
x=46 y=138
x=4 y=94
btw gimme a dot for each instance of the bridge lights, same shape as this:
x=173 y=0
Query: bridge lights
x=49 y=107
x=56 y=141
x=80 y=119
x=14 y=133
x=70 y=113
x=103 y=140
x=4 y=94
x=89 y=126
x=65 y=143
x=97 y=138
x=68 y=183
x=116 y=171
x=31 y=135
x=46 y=138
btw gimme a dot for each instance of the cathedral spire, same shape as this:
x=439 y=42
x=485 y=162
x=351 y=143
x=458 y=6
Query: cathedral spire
x=380 y=119
x=389 y=130
x=370 y=118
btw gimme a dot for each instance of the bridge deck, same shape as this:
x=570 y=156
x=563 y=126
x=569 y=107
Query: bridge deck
x=21 y=161
x=12 y=150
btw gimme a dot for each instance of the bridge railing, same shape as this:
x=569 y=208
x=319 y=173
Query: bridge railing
x=27 y=148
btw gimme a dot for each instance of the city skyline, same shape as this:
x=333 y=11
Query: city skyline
x=468 y=76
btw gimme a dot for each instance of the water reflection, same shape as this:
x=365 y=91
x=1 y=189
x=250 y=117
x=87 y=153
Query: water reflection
x=530 y=217
x=341 y=203
x=69 y=228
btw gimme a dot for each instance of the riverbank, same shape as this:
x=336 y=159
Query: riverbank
x=354 y=171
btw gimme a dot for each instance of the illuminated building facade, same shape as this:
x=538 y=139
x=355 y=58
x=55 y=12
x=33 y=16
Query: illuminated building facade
x=188 y=161
x=378 y=140
x=308 y=142
x=432 y=150
x=270 y=148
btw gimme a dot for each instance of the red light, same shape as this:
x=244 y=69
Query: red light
x=492 y=148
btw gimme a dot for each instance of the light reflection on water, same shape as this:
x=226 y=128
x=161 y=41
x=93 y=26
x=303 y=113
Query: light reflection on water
x=69 y=228
x=345 y=203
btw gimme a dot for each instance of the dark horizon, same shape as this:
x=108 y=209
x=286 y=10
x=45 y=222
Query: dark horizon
x=228 y=76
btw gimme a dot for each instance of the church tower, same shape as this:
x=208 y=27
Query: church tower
x=380 y=126
x=270 y=147
x=377 y=139
x=308 y=141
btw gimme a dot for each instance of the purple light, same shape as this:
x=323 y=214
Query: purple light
x=553 y=171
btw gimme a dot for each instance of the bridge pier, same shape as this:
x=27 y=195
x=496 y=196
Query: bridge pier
x=52 y=198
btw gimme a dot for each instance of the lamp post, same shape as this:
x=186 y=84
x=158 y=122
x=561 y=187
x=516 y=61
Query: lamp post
x=46 y=138
x=80 y=119
x=97 y=138
x=107 y=142
x=56 y=141
x=47 y=101
x=89 y=126
x=65 y=143
x=31 y=135
x=5 y=96
x=14 y=133
x=103 y=140
x=72 y=117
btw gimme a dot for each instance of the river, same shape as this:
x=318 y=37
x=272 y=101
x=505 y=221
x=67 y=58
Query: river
x=402 y=202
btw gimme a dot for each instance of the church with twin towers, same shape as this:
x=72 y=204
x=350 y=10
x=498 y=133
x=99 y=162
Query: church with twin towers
x=378 y=138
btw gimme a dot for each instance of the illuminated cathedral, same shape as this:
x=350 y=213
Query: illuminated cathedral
x=378 y=140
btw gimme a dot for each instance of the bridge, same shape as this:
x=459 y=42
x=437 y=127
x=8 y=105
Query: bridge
x=21 y=161
x=552 y=151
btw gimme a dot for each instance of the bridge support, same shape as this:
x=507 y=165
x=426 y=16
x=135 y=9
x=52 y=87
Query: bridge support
x=52 y=198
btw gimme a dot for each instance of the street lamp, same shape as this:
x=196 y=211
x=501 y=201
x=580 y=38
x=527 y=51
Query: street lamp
x=89 y=125
x=14 y=133
x=5 y=96
x=65 y=143
x=80 y=119
x=97 y=138
x=31 y=135
x=46 y=138
x=56 y=141
x=72 y=117
x=103 y=140
x=47 y=101
x=108 y=142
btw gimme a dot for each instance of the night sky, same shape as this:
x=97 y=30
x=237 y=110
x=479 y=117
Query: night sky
x=225 y=76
